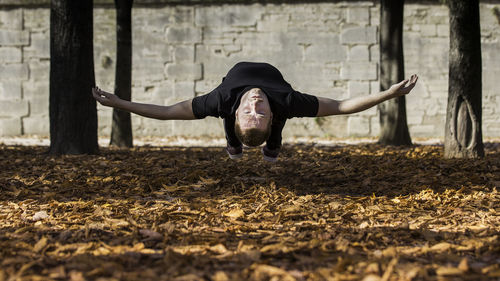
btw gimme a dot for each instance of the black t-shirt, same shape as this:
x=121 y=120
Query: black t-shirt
x=285 y=102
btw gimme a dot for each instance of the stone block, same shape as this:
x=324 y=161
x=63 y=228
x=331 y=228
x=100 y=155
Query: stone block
x=205 y=86
x=359 y=53
x=428 y=30
x=155 y=19
x=357 y=88
x=15 y=71
x=335 y=126
x=438 y=120
x=183 y=35
x=423 y=131
x=307 y=77
x=359 y=35
x=39 y=70
x=154 y=93
x=231 y=49
x=104 y=124
x=273 y=22
x=375 y=126
x=183 y=71
x=11 y=19
x=36 y=90
x=415 y=119
x=443 y=30
x=375 y=16
x=358 y=71
x=148 y=43
x=228 y=15
x=375 y=52
x=146 y=71
x=39 y=47
x=13 y=108
x=10 y=54
x=184 y=54
x=36 y=125
x=10 y=90
x=36 y=19
x=331 y=71
x=14 y=37
x=299 y=127
x=325 y=49
x=183 y=90
x=183 y=14
x=374 y=87
x=39 y=106
x=207 y=127
x=10 y=126
x=153 y=127
x=358 y=15
x=358 y=126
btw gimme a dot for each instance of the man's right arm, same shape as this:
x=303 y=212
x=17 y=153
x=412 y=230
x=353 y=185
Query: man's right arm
x=179 y=111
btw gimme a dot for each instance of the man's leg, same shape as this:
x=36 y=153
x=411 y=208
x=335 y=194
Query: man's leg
x=272 y=148
x=270 y=155
x=234 y=148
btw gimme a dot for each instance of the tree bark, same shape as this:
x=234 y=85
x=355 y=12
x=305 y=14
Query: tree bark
x=463 y=136
x=121 y=128
x=393 y=124
x=73 y=113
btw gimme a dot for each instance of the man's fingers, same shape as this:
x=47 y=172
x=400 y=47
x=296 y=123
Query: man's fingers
x=401 y=84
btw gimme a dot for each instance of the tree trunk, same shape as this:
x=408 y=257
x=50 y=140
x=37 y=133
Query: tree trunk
x=463 y=137
x=121 y=128
x=73 y=114
x=393 y=125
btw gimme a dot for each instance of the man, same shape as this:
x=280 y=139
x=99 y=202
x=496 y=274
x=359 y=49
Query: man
x=254 y=101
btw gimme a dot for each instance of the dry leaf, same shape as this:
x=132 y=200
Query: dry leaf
x=441 y=247
x=41 y=215
x=235 y=213
x=150 y=234
x=40 y=244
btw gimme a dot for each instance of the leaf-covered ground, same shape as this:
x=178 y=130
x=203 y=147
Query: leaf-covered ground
x=358 y=212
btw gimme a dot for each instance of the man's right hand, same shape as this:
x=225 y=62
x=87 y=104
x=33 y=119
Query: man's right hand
x=105 y=98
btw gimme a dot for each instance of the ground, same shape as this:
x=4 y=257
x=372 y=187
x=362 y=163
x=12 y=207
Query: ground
x=352 y=212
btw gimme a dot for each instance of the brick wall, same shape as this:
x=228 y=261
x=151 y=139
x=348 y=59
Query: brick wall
x=326 y=49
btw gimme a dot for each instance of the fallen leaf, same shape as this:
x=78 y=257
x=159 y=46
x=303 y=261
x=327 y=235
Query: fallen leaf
x=235 y=214
x=40 y=244
x=41 y=215
x=150 y=235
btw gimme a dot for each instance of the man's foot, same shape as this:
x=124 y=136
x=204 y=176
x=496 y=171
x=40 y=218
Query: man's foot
x=270 y=155
x=234 y=152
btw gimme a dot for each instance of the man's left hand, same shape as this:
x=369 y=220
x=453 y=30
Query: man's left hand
x=404 y=87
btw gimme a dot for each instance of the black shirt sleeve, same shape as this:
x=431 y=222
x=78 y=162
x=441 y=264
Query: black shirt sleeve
x=206 y=105
x=302 y=105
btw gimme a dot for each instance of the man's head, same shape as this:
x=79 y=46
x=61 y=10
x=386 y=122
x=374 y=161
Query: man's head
x=253 y=118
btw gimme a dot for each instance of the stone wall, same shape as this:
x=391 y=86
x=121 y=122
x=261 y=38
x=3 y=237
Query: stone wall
x=326 y=49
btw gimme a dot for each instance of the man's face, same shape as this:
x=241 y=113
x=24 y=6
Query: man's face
x=254 y=110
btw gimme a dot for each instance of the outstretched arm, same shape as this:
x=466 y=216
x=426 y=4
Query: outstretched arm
x=329 y=106
x=179 y=111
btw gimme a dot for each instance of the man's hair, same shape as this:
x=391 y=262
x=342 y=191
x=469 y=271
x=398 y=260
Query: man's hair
x=253 y=136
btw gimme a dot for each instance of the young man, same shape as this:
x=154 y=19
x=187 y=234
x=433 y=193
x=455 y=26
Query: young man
x=254 y=101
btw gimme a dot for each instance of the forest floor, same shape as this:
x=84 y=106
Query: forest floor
x=352 y=212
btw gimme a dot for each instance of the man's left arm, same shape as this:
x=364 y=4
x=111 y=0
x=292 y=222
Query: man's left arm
x=327 y=106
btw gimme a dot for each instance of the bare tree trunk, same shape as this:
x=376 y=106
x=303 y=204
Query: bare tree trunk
x=463 y=137
x=121 y=128
x=393 y=125
x=73 y=113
